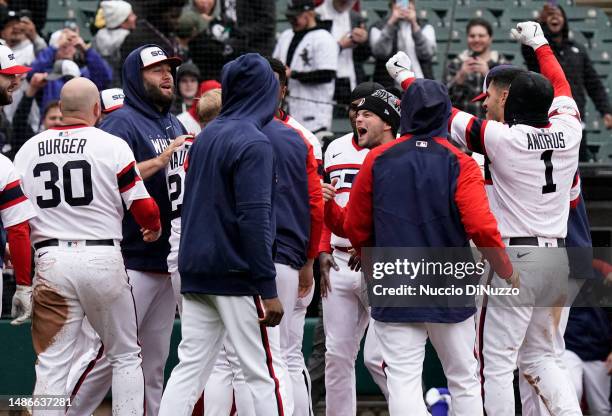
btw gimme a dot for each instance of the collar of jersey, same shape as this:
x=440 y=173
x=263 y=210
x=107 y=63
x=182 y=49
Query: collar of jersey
x=71 y=126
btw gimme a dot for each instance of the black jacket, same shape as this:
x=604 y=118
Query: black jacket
x=578 y=68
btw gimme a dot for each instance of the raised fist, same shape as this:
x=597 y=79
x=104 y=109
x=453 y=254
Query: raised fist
x=399 y=66
x=530 y=34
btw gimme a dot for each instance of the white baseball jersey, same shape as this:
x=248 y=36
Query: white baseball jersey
x=175 y=178
x=531 y=169
x=343 y=159
x=15 y=207
x=77 y=178
x=310 y=104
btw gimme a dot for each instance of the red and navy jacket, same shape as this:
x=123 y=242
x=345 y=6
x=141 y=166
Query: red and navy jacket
x=298 y=202
x=421 y=191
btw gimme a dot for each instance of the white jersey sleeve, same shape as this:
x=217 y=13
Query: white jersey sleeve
x=15 y=207
x=129 y=180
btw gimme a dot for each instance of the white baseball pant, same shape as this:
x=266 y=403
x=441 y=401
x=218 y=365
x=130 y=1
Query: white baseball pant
x=526 y=334
x=227 y=375
x=373 y=359
x=403 y=349
x=226 y=386
x=206 y=321
x=531 y=403
x=155 y=311
x=345 y=318
x=592 y=379
x=72 y=281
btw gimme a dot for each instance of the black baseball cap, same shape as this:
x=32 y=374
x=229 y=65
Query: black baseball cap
x=296 y=7
x=529 y=99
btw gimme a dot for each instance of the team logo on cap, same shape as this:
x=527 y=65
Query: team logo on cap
x=389 y=98
x=361 y=102
x=11 y=56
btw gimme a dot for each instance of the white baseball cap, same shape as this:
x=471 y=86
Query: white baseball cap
x=64 y=68
x=8 y=64
x=112 y=99
x=154 y=55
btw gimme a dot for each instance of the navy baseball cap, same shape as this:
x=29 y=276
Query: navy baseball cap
x=490 y=77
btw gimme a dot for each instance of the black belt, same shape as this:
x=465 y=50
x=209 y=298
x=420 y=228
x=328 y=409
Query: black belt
x=343 y=249
x=531 y=241
x=54 y=242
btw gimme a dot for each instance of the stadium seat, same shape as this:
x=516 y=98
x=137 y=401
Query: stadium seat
x=516 y=15
x=463 y=14
x=578 y=37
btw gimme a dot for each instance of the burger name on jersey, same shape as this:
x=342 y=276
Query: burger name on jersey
x=545 y=141
x=59 y=145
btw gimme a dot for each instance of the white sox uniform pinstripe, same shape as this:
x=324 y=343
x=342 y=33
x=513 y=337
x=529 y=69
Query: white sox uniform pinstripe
x=79 y=176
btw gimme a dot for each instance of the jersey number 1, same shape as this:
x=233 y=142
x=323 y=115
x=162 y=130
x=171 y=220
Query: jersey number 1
x=67 y=181
x=550 y=186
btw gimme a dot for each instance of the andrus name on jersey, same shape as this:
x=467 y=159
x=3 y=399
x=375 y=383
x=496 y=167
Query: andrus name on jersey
x=178 y=159
x=56 y=145
x=544 y=141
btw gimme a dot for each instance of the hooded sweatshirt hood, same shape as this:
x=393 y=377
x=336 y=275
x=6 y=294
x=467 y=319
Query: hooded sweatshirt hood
x=425 y=109
x=133 y=85
x=249 y=89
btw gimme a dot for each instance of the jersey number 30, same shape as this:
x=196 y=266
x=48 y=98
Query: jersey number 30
x=70 y=181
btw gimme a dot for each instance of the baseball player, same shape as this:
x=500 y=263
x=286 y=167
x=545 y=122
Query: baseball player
x=15 y=209
x=152 y=133
x=79 y=178
x=436 y=178
x=341 y=287
x=288 y=138
x=225 y=259
x=533 y=155
x=311 y=53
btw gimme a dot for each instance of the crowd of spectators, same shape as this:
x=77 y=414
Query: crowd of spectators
x=326 y=49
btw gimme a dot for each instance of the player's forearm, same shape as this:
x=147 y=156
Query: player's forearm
x=552 y=71
x=146 y=213
x=18 y=237
x=150 y=167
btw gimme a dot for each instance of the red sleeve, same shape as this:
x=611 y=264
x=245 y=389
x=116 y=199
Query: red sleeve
x=325 y=243
x=478 y=221
x=316 y=204
x=146 y=213
x=602 y=266
x=359 y=223
x=334 y=218
x=552 y=71
x=18 y=237
x=406 y=83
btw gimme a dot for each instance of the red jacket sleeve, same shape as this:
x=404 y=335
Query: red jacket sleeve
x=334 y=218
x=316 y=204
x=325 y=243
x=18 y=237
x=146 y=213
x=478 y=221
x=552 y=71
x=602 y=267
x=358 y=223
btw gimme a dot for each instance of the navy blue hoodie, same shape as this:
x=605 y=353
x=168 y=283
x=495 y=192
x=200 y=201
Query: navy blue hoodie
x=148 y=132
x=421 y=191
x=228 y=227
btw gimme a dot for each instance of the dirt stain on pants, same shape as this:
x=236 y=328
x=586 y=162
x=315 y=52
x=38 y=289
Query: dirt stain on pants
x=49 y=314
